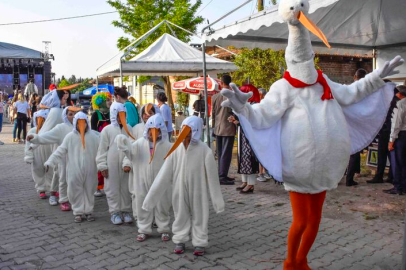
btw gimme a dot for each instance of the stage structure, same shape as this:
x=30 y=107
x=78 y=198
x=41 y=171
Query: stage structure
x=18 y=65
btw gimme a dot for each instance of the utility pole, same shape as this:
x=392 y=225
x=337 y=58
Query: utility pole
x=260 y=5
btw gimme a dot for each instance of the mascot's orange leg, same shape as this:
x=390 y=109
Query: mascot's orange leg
x=307 y=210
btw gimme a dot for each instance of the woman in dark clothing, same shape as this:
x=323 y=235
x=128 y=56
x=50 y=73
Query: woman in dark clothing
x=101 y=103
x=34 y=101
x=248 y=164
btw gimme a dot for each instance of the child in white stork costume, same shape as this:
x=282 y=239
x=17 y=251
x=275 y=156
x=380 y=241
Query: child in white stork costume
x=79 y=148
x=55 y=100
x=312 y=125
x=147 y=111
x=33 y=155
x=191 y=172
x=145 y=158
x=110 y=163
x=56 y=136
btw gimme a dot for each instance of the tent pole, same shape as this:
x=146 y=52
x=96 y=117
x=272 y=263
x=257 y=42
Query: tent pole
x=121 y=73
x=97 y=83
x=206 y=96
x=374 y=59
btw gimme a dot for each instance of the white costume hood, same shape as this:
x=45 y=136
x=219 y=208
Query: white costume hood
x=51 y=100
x=196 y=125
x=40 y=113
x=156 y=121
x=114 y=110
x=80 y=115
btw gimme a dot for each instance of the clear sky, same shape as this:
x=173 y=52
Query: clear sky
x=82 y=45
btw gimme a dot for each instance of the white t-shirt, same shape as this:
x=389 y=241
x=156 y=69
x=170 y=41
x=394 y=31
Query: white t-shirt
x=167 y=116
x=22 y=107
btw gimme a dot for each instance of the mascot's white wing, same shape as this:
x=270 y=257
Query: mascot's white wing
x=267 y=146
x=366 y=118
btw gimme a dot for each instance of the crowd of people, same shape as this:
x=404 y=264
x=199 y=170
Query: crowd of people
x=126 y=153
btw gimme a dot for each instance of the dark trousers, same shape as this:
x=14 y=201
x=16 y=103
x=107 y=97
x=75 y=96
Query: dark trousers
x=354 y=166
x=383 y=154
x=224 y=153
x=399 y=180
x=22 y=125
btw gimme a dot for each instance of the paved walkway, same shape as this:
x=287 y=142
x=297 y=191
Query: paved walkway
x=362 y=229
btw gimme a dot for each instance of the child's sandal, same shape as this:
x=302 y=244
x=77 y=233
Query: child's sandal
x=165 y=237
x=141 y=237
x=90 y=217
x=199 y=251
x=78 y=219
x=179 y=248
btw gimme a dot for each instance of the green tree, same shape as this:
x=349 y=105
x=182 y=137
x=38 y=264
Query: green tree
x=260 y=67
x=72 y=79
x=138 y=17
x=63 y=83
x=183 y=100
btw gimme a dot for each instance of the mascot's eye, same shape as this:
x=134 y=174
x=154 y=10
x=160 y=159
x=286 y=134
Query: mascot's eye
x=302 y=4
x=292 y=8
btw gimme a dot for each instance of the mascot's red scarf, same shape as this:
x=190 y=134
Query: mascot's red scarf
x=327 y=95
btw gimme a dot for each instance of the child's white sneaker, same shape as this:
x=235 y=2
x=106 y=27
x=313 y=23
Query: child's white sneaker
x=116 y=219
x=98 y=193
x=127 y=218
x=261 y=178
x=53 y=200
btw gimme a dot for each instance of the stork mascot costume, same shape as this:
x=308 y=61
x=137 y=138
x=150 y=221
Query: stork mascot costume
x=190 y=172
x=312 y=126
x=110 y=163
x=145 y=157
x=34 y=155
x=79 y=149
x=56 y=136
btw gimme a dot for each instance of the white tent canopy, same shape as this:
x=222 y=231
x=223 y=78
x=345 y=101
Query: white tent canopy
x=13 y=51
x=351 y=26
x=167 y=56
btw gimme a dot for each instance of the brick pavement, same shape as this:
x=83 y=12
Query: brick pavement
x=357 y=232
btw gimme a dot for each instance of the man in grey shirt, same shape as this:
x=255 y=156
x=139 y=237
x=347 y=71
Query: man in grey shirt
x=224 y=132
x=398 y=143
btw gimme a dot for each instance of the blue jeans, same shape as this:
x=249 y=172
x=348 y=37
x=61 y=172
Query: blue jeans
x=1 y=121
x=15 y=129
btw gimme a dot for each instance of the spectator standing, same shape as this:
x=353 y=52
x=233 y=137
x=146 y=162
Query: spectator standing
x=13 y=116
x=1 y=114
x=354 y=165
x=224 y=132
x=34 y=102
x=398 y=143
x=165 y=111
x=23 y=112
x=248 y=164
x=383 y=151
x=30 y=89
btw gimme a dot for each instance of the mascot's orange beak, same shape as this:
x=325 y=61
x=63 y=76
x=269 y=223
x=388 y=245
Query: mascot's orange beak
x=148 y=108
x=40 y=123
x=123 y=120
x=82 y=129
x=312 y=28
x=74 y=109
x=183 y=134
x=154 y=133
